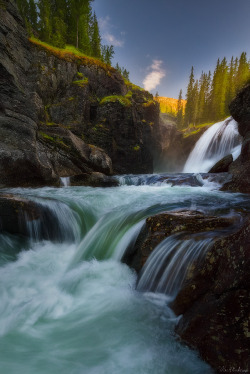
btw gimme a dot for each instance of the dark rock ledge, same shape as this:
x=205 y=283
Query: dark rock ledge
x=214 y=301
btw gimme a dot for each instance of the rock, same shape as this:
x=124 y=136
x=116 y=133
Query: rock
x=20 y=216
x=222 y=166
x=215 y=304
x=240 y=110
x=94 y=179
x=214 y=300
x=59 y=117
x=170 y=156
x=240 y=169
x=158 y=227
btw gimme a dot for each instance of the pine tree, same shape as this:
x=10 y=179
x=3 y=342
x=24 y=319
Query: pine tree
x=231 y=89
x=107 y=54
x=179 y=116
x=33 y=15
x=243 y=73
x=195 y=107
x=58 y=38
x=201 y=98
x=207 y=88
x=96 y=39
x=45 y=20
x=190 y=99
x=23 y=6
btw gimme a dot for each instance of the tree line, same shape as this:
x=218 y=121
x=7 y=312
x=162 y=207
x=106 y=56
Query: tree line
x=209 y=97
x=61 y=22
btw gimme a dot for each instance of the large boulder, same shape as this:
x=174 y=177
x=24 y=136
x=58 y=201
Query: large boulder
x=215 y=304
x=32 y=219
x=213 y=301
x=160 y=226
x=240 y=169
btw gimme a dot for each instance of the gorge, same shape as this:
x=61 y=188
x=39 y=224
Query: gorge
x=147 y=275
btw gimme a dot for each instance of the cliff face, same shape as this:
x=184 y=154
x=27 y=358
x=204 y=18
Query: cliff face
x=61 y=115
x=240 y=169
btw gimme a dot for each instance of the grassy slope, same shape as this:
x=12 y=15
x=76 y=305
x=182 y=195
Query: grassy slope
x=71 y=54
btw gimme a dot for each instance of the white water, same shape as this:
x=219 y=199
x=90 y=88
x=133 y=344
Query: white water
x=218 y=141
x=71 y=307
x=65 y=181
x=166 y=268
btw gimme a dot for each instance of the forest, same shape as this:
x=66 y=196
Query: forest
x=209 y=97
x=67 y=22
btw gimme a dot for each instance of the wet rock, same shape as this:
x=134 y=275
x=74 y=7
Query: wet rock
x=158 y=227
x=94 y=179
x=215 y=303
x=240 y=169
x=20 y=216
x=214 y=300
x=222 y=166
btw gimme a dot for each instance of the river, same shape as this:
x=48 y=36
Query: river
x=70 y=306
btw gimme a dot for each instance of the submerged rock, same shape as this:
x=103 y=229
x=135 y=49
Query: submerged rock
x=94 y=179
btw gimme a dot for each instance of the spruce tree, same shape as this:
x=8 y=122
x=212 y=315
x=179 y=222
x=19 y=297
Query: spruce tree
x=107 y=54
x=231 y=89
x=96 y=39
x=33 y=15
x=243 y=73
x=190 y=99
x=45 y=20
x=179 y=116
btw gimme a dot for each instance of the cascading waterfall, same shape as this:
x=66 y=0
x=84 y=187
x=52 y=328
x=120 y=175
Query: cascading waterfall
x=166 y=268
x=218 y=141
x=70 y=305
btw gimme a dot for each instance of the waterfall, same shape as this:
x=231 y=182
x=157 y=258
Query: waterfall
x=65 y=181
x=218 y=141
x=167 y=266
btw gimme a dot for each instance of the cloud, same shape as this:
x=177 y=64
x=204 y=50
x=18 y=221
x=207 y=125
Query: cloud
x=154 y=77
x=111 y=39
x=107 y=33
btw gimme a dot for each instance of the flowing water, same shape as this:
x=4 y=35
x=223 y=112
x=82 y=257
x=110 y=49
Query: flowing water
x=69 y=306
x=218 y=141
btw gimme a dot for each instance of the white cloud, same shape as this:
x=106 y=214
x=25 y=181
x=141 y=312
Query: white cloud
x=154 y=77
x=111 y=39
x=107 y=35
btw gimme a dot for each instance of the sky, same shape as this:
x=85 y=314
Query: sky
x=158 y=41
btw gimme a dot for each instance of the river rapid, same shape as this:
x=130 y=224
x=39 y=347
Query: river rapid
x=70 y=306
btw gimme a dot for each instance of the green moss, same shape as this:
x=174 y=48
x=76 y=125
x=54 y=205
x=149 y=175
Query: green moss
x=132 y=86
x=45 y=136
x=80 y=75
x=71 y=54
x=56 y=140
x=136 y=148
x=148 y=103
x=82 y=82
x=195 y=129
x=123 y=100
